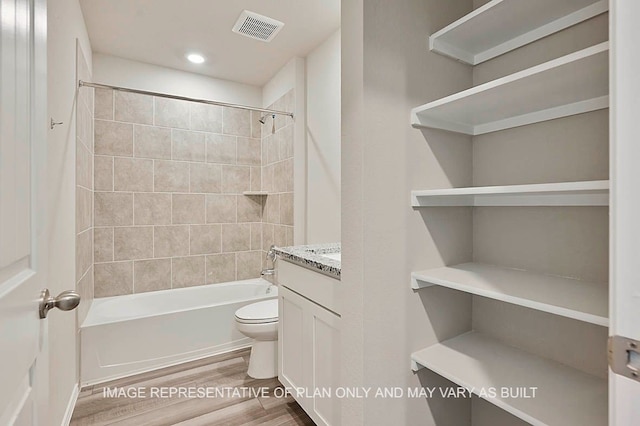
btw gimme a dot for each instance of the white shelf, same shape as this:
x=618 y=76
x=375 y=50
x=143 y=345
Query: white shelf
x=255 y=193
x=564 y=396
x=573 y=84
x=571 y=298
x=504 y=25
x=587 y=193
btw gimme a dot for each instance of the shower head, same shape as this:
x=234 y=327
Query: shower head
x=263 y=118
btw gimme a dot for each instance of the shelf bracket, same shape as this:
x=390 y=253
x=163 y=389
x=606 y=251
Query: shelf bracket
x=415 y=367
x=417 y=284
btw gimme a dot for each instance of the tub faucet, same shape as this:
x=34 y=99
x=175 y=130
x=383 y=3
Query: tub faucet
x=271 y=255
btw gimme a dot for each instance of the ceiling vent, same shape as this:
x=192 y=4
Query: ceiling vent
x=256 y=26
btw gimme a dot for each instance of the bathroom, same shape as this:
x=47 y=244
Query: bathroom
x=319 y=212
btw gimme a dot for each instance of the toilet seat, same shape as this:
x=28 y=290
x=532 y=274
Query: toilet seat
x=258 y=313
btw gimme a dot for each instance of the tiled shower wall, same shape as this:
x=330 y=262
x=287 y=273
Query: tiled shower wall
x=277 y=174
x=84 y=188
x=169 y=205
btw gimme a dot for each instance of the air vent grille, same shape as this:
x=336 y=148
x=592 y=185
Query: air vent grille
x=256 y=26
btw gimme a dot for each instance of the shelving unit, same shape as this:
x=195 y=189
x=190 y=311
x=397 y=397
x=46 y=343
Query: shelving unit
x=571 y=298
x=564 y=396
x=504 y=25
x=573 y=84
x=587 y=193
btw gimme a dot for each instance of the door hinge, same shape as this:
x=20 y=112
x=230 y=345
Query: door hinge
x=624 y=357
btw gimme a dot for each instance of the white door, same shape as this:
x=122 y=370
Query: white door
x=624 y=407
x=23 y=336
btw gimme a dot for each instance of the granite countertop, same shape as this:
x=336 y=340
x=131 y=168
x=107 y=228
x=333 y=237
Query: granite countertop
x=311 y=256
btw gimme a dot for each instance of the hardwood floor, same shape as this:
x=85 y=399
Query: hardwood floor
x=234 y=398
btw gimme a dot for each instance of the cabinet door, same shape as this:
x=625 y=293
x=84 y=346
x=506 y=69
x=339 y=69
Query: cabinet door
x=292 y=340
x=325 y=364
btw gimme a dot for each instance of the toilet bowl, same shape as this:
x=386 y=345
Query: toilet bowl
x=259 y=321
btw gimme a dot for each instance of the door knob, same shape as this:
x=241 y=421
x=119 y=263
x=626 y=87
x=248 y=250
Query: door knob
x=65 y=301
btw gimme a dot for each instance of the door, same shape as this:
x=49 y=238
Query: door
x=624 y=15
x=23 y=257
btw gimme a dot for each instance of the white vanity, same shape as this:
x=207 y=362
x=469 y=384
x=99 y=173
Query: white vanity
x=309 y=329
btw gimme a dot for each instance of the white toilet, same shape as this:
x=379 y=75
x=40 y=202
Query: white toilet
x=260 y=322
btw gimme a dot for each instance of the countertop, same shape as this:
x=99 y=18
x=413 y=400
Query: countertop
x=311 y=257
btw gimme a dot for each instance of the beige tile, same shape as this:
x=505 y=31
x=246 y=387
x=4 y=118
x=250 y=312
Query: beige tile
x=249 y=265
x=236 y=179
x=113 y=138
x=171 y=176
x=289 y=236
x=152 y=142
x=113 y=209
x=279 y=177
x=221 y=268
x=249 y=208
x=113 y=279
x=103 y=173
x=103 y=108
x=103 y=244
x=272 y=209
x=249 y=151
x=267 y=178
x=205 y=177
x=187 y=146
x=207 y=118
x=221 y=208
x=188 y=208
x=84 y=252
x=271 y=146
x=288 y=174
x=171 y=113
x=280 y=235
x=256 y=126
x=236 y=237
x=256 y=236
x=84 y=166
x=205 y=239
x=84 y=209
x=133 y=108
x=151 y=275
x=152 y=209
x=132 y=243
x=171 y=241
x=286 y=208
x=221 y=149
x=256 y=178
x=188 y=271
x=236 y=122
x=267 y=236
x=133 y=174
x=285 y=143
x=85 y=289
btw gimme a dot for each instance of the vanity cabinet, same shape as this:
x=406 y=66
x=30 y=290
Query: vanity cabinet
x=309 y=341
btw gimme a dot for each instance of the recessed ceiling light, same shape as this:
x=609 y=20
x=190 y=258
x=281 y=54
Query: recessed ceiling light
x=195 y=58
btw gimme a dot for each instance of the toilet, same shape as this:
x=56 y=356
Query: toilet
x=259 y=321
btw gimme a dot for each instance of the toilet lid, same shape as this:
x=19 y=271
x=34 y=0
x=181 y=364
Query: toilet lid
x=260 y=312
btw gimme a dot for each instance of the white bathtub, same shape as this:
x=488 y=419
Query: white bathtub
x=131 y=334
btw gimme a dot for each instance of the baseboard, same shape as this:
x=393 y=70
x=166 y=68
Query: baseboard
x=72 y=404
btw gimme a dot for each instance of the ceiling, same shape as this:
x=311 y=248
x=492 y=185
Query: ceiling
x=162 y=32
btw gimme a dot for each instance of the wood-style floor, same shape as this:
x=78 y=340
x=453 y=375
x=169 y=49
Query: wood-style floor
x=223 y=371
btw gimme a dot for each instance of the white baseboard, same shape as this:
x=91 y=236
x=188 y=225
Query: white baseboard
x=72 y=404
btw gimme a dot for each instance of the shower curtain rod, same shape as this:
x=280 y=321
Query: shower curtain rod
x=182 y=98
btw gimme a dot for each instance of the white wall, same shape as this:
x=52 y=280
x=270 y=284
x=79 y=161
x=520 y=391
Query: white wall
x=122 y=72
x=323 y=142
x=292 y=76
x=65 y=25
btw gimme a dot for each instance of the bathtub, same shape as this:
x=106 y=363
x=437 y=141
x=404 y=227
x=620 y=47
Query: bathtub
x=130 y=334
